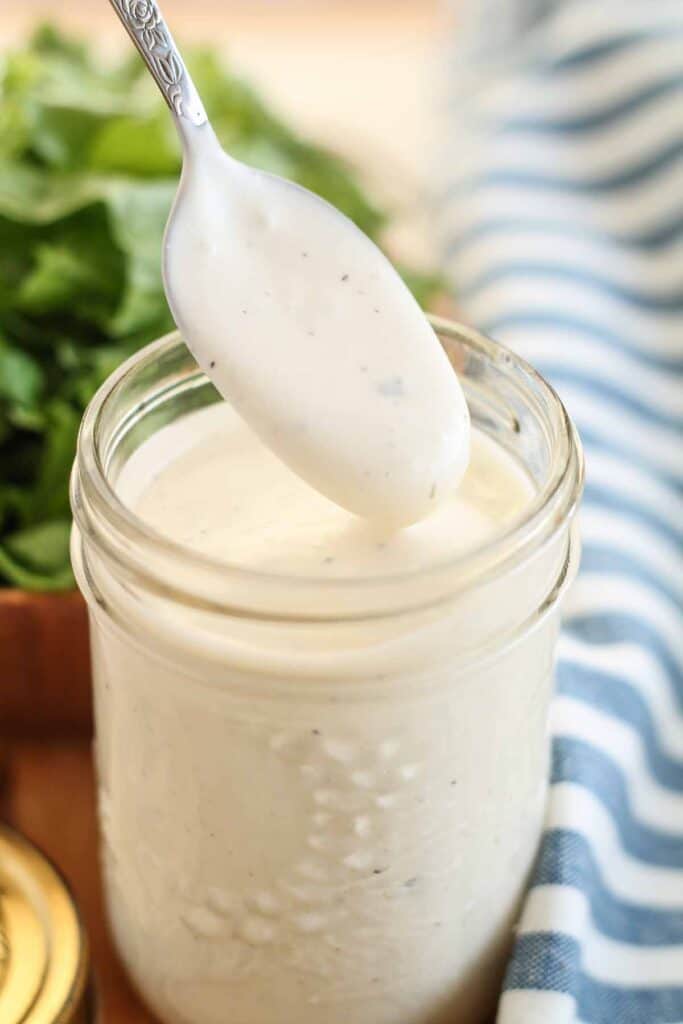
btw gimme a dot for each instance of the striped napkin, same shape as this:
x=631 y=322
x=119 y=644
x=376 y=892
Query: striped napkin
x=564 y=218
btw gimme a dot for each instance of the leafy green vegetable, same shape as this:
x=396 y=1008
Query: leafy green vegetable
x=89 y=161
x=38 y=558
x=21 y=378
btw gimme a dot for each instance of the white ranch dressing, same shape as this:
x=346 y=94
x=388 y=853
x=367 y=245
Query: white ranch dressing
x=310 y=333
x=209 y=483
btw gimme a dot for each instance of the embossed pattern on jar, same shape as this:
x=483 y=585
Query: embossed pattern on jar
x=354 y=862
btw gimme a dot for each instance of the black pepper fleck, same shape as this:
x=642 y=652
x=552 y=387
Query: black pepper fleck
x=454 y=782
x=410 y=882
x=316 y=732
x=345 y=277
x=379 y=871
x=304 y=255
x=212 y=364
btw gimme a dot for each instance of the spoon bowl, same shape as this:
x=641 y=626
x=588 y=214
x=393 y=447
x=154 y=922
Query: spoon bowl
x=301 y=322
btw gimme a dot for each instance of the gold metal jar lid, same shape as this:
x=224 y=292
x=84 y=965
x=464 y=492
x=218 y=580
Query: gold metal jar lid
x=43 y=948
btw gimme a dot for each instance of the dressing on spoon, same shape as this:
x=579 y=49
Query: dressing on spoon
x=305 y=327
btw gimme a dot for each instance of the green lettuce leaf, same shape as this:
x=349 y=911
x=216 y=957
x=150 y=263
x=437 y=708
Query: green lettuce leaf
x=38 y=558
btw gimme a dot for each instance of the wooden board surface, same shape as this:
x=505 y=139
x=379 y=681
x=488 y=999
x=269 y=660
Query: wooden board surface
x=44 y=665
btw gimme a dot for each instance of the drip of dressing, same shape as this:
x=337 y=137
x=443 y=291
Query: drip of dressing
x=310 y=333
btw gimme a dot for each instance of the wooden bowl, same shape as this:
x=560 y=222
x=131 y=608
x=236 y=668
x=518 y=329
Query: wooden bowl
x=44 y=664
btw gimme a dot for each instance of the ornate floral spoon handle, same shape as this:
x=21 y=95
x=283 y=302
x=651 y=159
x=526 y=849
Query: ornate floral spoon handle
x=145 y=25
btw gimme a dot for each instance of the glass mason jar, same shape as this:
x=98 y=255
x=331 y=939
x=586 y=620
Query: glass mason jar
x=320 y=799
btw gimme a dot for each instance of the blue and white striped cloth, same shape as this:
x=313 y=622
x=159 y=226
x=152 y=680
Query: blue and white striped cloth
x=564 y=214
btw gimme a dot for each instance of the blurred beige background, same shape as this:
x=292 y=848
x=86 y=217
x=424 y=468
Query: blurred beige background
x=363 y=76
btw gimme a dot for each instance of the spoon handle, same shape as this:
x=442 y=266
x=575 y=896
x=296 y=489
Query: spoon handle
x=145 y=25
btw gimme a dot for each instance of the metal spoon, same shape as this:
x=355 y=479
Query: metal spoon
x=300 y=321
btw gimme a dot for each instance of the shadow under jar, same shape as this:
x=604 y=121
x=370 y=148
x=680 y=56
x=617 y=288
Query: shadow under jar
x=320 y=799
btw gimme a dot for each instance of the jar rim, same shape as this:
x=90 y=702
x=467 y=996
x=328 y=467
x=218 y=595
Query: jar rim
x=141 y=552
